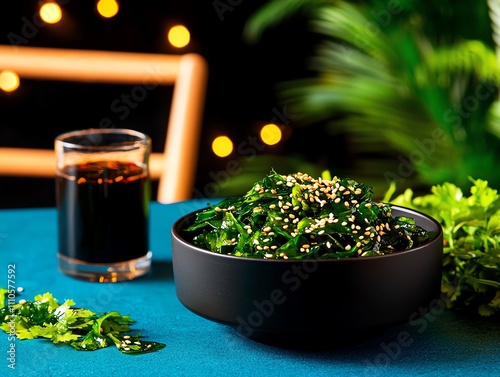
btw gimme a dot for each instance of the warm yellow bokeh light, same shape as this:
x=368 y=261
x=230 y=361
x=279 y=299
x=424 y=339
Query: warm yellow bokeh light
x=222 y=146
x=9 y=81
x=51 y=13
x=108 y=8
x=179 y=36
x=270 y=134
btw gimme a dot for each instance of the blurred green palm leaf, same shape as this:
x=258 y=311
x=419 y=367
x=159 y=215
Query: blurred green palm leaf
x=418 y=80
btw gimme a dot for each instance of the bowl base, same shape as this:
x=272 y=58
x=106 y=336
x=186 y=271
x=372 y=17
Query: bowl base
x=310 y=341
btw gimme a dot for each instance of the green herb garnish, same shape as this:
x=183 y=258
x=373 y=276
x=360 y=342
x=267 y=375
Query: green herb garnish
x=64 y=324
x=296 y=217
x=471 y=230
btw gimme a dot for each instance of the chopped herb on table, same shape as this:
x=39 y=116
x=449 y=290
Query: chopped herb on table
x=471 y=230
x=297 y=216
x=63 y=324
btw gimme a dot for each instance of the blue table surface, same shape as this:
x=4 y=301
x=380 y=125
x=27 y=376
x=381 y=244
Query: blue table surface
x=441 y=343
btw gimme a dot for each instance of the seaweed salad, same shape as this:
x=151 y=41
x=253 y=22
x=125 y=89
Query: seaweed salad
x=296 y=216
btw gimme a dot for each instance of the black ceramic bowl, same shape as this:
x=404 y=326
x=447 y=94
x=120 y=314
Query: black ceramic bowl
x=288 y=302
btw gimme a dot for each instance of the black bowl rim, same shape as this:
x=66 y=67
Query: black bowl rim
x=437 y=238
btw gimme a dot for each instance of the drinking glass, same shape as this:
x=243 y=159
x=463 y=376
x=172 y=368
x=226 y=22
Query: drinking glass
x=103 y=194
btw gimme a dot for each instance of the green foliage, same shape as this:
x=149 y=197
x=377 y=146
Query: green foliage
x=471 y=229
x=413 y=80
x=63 y=324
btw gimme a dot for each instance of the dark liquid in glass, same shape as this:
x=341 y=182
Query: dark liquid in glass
x=103 y=211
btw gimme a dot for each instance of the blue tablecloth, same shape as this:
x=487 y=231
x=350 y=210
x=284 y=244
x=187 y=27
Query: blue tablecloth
x=439 y=344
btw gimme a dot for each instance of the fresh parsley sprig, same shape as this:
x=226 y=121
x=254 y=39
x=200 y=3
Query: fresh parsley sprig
x=471 y=229
x=79 y=328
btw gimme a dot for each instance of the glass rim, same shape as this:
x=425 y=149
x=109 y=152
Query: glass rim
x=142 y=139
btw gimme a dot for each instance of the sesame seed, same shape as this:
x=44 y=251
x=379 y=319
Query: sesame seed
x=267 y=229
x=348 y=247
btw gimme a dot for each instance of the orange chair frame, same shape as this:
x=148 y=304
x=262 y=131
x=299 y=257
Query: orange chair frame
x=175 y=168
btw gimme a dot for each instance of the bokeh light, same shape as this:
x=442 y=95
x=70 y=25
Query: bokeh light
x=9 y=81
x=108 y=8
x=51 y=12
x=179 y=36
x=270 y=134
x=222 y=146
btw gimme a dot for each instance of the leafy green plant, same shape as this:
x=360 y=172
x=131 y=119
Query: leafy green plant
x=471 y=230
x=414 y=85
x=63 y=324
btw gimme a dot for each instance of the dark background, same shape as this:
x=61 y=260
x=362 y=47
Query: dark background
x=241 y=91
